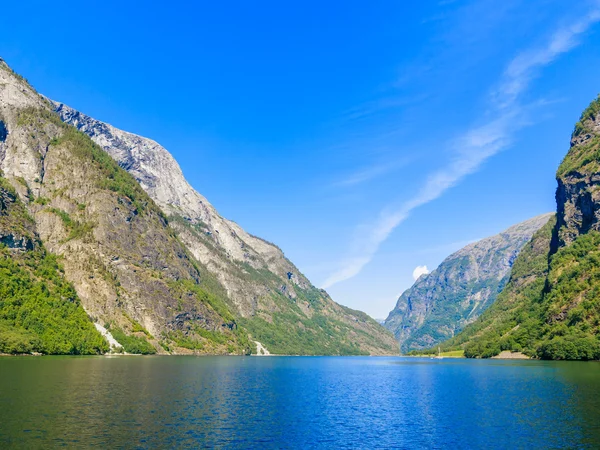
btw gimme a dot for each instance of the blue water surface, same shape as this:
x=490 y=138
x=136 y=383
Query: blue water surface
x=297 y=402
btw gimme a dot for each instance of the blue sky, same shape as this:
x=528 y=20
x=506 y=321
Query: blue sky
x=363 y=139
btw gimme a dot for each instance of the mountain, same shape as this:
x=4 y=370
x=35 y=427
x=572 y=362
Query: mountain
x=151 y=261
x=465 y=284
x=130 y=272
x=551 y=306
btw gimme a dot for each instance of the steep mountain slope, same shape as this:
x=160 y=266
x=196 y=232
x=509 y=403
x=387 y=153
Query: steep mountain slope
x=39 y=309
x=149 y=257
x=551 y=306
x=464 y=285
x=270 y=297
x=130 y=271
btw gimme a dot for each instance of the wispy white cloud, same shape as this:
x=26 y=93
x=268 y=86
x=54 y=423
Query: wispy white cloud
x=371 y=173
x=475 y=145
x=386 y=103
x=524 y=67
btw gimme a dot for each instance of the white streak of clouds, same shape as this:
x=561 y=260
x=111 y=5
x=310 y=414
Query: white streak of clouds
x=371 y=173
x=475 y=146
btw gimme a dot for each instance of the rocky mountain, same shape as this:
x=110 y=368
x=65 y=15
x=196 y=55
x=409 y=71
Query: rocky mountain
x=149 y=258
x=551 y=306
x=442 y=303
x=130 y=272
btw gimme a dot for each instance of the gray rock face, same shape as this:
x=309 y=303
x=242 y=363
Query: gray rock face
x=578 y=191
x=160 y=175
x=443 y=302
x=15 y=238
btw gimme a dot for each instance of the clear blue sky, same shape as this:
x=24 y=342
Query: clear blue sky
x=364 y=138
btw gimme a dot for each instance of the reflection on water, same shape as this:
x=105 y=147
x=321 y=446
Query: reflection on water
x=151 y=402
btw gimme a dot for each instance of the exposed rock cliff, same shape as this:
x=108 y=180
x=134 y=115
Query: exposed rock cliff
x=465 y=284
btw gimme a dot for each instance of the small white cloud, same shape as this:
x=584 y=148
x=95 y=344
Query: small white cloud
x=420 y=270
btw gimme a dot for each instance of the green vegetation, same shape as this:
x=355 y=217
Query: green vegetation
x=291 y=334
x=39 y=310
x=131 y=343
x=234 y=343
x=112 y=177
x=454 y=354
x=440 y=305
x=166 y=272
x=582 y=158
x=42 y=201
x=555 y=298
x=550 y=309
x=63 y=216
x=209 y=292
x=433 y=352
x=449 y=314
x=590 y=113
x=584 y=347
x=14 y=217
x=288 y=330
x=585 y=157
x=136 y=327
x=189 y=283
x=76 y=228
x=281 y=335
x=183 y=288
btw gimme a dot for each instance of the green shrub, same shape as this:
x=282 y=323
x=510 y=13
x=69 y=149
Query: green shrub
x=132 y=344
x=40 y=311
x=42 y=201
x=570 y=348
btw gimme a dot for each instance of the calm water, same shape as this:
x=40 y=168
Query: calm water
x=287 y=402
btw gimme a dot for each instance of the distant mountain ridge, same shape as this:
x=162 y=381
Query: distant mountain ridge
x=441 y=303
